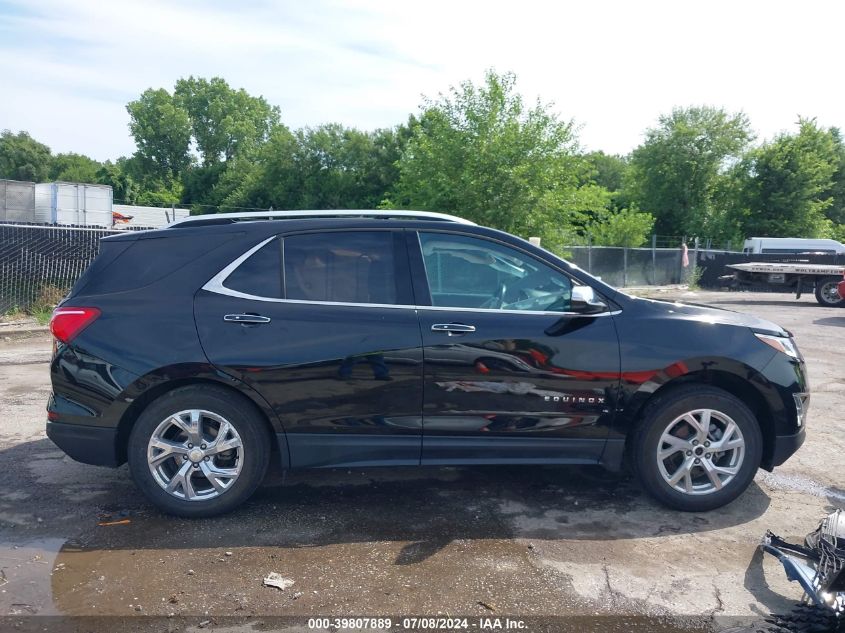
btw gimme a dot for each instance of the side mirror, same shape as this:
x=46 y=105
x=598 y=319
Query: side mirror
x=585 y=301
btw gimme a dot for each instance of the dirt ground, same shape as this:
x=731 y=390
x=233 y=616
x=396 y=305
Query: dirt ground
x=558 y=548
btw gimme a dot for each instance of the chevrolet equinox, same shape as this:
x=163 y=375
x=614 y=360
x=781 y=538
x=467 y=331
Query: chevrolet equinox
x=199 y=352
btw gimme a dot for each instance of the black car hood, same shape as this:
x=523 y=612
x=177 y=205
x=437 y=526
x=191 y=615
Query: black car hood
x=707 y=314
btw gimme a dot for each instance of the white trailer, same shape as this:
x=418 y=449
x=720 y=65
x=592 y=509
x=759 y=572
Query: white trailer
x=792 y=245
x=73 y=203
x=128 y=216
x=824 y=277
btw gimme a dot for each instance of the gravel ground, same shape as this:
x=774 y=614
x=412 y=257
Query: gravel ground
x=561 y=548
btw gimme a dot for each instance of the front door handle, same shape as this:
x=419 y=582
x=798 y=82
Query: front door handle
x=246 y=318
x=452 y=329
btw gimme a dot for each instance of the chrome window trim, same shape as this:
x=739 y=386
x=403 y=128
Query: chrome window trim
x=216 y=285
x=223 y=290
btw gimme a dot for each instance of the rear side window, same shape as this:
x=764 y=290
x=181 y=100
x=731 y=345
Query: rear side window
x=260 y=274
x=341 y=266
x=128 y=265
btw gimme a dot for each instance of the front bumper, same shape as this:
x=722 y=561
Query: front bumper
x=785 y=446
x=94 y=445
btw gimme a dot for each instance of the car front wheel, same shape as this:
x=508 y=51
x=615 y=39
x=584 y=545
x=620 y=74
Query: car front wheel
x=698 y=448
x=198 y=451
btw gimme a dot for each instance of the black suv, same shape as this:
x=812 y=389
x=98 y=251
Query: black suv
x=200 y=351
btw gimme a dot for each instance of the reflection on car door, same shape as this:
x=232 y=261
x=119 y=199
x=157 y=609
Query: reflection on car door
x=508 y=375
x=329 y=338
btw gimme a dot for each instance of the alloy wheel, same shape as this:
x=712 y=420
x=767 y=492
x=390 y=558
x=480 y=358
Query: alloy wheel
x=700 y=452
x=195 y=455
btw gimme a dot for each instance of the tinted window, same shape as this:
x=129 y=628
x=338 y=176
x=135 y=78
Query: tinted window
x=260 y=274
x=342 y=266
x=124 y=265
x=467 y=272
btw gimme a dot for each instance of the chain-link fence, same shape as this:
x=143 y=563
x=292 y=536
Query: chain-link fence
x=631 y=266
x=38 y=263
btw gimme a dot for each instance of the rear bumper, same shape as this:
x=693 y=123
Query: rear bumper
x=87 y=444
x=785 y=446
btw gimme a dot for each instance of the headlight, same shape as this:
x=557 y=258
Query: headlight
x=781 y=344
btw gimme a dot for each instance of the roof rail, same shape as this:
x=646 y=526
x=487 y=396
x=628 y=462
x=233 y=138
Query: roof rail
x=228 y=218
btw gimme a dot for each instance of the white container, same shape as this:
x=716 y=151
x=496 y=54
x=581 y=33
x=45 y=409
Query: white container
x=73 y=203
x=17 y=201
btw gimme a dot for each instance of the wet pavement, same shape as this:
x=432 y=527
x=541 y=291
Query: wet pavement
x=560 y=548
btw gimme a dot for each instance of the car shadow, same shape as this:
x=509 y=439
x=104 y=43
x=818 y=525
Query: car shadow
x=423 y=508
x=837 y=321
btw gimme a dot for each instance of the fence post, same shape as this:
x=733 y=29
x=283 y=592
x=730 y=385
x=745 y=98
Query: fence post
x=653 y=259
x=590 y=254
x=694 y=265
x=625 y=267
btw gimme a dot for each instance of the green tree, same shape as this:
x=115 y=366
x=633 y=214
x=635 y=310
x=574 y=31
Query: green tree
x=224 y=121
x=677 y=172
x=162 y=132
x=607 y=170
x=479 y=151
x=327 y=167
x=626 y=227
x=836 y=211
x=23 y=158
x=124 y=188
x=72 y=167
x=788 y=184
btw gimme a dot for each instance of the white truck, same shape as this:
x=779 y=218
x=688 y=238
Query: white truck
x=792 y=245
x=824 y=277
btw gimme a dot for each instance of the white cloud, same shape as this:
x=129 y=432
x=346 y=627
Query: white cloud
x=69 y=68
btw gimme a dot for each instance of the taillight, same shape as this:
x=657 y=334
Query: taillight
x=68 y=322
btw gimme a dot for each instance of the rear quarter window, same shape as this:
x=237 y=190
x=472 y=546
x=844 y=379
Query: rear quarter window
x=260 y=274
x=143 y=262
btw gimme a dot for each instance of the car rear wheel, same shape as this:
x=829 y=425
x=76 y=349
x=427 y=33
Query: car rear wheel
x=827 y=292
x=697 y=448
x=198 y=451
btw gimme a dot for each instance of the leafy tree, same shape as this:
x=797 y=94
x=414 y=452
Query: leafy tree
x=224 y=121
x=626 y=227
x=162 y=132
x=73 y=167
x=789 y=183
x=124 y=188
x=676 y=173
x=479 y=151
x=836 y=211
x=23 y=158
x=607 y=170
x=327 y=167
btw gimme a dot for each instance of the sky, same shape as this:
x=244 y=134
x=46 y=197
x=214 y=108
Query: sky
x=68 y=68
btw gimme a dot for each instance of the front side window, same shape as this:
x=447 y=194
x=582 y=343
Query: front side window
x=341 y=266
x=468 y=272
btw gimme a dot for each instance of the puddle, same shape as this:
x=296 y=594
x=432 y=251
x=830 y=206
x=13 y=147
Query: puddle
x=26 y=574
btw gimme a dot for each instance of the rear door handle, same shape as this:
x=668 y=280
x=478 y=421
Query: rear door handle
x=246 y=318
x=452 y=329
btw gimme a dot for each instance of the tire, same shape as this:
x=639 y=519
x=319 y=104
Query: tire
x=206 y=480
x=827 y=293
x=671 y=415
x=805 y=618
